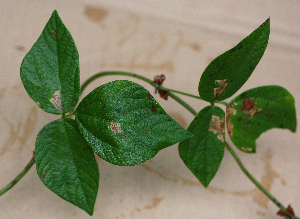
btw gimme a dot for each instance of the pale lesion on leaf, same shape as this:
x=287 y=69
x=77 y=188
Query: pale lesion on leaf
x=222 y=85
x=230 y=111
x=115 y=127
x=246 y=149
x=56 y=100
x=217 y=125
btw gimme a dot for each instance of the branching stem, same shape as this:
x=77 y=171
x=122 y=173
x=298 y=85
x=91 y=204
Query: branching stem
x=105 y=73
x=17 y=179
x=179 y=92
x=184 y=104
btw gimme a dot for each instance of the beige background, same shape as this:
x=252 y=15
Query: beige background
x=172 y=37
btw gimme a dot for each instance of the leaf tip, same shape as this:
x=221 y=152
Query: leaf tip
x=267 y=22
x=55 y=12
x=294 y=129
x=90 y=212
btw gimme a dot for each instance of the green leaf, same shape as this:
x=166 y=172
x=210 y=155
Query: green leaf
x=227 y=73
x=124 y=124
x=256 y=111
x=66 y=164
x=203 y=153
x=50 y=70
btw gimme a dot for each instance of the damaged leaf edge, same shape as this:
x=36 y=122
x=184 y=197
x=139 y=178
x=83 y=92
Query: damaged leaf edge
x=56 y=100
x=217 y=125
x=219 y=90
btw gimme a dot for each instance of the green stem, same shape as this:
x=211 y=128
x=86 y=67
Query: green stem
x=98 y=75
x=241 y=165
x=179 y=92
x=179 y=100
x=158 y=87
x=84 y=85
x=263 y=189
x=17 y=179
x=184 y=104
x=223 y=103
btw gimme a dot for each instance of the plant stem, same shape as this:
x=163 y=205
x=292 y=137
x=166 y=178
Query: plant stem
x=17 y=179
x=189 y=108
x=223 y=103
x=184 y=104
x=263 y=189
x=179 y=92
x=158 y=87
x=100 y=74
x=84 y=85
x=189 y=95
x=179 y=100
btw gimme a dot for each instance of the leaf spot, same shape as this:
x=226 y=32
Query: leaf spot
x=149 y=96
x=115 y=127
x=230 y=111
x=153 y=109
x=248 y=104
x=217 y=125
x=246 y=149
x=248 y=107
x=124 y=135
x=43 y=176
x=56 y=100
x=222 y=85
x=54 y=33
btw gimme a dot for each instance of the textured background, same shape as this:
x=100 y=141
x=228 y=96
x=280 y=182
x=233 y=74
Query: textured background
x=172 y=37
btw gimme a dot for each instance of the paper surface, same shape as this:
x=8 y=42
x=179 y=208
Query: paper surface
x=152 y=38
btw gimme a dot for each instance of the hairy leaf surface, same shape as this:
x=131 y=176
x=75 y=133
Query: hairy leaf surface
x=227 y=73
x=256 y=111
x=66 y=164
x=203 y=153
x=50 y=70
x=125 y=125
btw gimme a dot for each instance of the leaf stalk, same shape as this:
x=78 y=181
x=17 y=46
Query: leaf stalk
x=18 y=177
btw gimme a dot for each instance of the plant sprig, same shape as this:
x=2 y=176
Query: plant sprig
x=123 y=124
